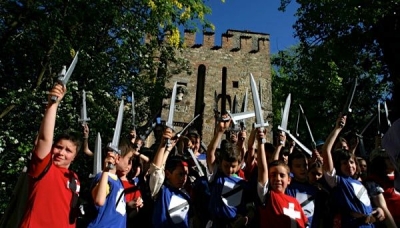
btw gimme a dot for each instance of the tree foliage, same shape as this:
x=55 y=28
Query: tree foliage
x=359 y=37
x=340 y=40
x=124 y=46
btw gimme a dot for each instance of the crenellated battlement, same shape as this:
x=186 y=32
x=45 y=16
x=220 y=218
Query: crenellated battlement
x=231 y=40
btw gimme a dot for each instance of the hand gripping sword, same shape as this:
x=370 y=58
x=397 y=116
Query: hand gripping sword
x=64 y=75
x=97 y=161
x=117 y=133
x=347 y=106
x=257 y=108
x=84 y=119
x=170 y=120
x=313 y=144
x=285 y=115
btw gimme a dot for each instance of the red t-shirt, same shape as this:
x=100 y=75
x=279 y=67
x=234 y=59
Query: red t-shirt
x=131 y=191
x=49 y=200
x=281 y=211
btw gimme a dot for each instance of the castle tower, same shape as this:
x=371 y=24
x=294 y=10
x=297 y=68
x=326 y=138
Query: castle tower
x=242 y=53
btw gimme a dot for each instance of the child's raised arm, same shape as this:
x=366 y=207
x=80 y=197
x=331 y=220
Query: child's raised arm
x=327 y=147
x=212 y=147
x=46 y=132
x=261 y=158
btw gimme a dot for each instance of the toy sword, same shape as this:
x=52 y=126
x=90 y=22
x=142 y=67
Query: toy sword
x=257 y=108
x=97 y=161
x=170 y=120
x=84 y=119
x=64 y=75
x=347 y=106
x=387 y=114
x=179 y=134
x=285 y=115
x=117 y=133
x=313 y=144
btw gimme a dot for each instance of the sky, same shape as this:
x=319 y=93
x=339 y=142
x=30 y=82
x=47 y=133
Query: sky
x=256 y=16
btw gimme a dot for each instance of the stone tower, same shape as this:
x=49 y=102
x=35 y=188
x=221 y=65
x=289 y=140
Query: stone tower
x=242 y=53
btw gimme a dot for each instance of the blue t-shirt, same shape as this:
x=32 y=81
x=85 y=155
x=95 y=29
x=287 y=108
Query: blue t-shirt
x=305 y=194
x=113 y=212
x=171 y=208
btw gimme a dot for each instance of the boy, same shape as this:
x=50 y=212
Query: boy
x=279 y=210
x=299 y=187
x=53 y=188
x=108 y=191
x=168 y=176
x=227 y=206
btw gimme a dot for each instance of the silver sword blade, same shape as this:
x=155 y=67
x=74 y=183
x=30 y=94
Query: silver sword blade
x=296 y=140
x=308 y=126
x=257 y=104
x=84 y=119
x=71 y=68
x=240 y=116
x=97 y=160
x=196 y=162
x=117 y=131
x=65 y=75
x=286 y=110
x=368 y=124
x=170 y=120
x=179 y=134
x=387 y=114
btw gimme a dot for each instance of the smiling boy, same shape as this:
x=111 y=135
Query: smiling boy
x=53 y=188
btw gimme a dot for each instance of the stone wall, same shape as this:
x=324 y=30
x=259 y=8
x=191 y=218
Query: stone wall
x=242 y=53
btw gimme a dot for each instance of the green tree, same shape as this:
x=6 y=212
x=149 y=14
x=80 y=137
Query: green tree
x=356 y=36
x=322 y=87
x=124 y=46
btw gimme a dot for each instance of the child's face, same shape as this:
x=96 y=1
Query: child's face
x=348 y=167
x=64 y=152
x=299 y=169
x=229 y=168
x=314 y=175
x=124 y=164
x=178 y=177
x=278 y=178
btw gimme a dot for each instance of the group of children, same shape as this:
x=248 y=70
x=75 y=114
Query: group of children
x=234 y=182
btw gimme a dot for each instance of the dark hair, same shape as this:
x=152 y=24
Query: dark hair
x=269 y=147
x=340 y=155
x=229 y=152
x=317 y=164
x=71 y=136
x=125 y=146
x=279 y=163
x=174 y=161
x=297 y=154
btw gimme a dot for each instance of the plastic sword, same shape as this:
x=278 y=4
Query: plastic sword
x=313 y=144
x=170 y=120
x=285 y=115
x=64 y=75
x=257 y=108
x=97 y=157
x=347 y=106
x=297 y=124
x=117 y=133
x=387 y=114
x=84 y=119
